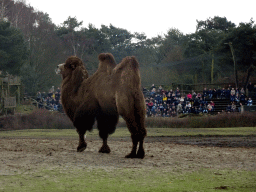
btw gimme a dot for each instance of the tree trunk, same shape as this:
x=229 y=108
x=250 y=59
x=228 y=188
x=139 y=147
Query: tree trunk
x=249 y=72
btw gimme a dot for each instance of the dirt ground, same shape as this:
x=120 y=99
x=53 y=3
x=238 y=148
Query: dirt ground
x=166 y=153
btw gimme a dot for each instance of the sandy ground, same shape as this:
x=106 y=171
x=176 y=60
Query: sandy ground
x=166 y=153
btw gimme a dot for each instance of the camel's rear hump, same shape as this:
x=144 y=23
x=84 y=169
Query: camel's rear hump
x=107 y=62
x=128 y=72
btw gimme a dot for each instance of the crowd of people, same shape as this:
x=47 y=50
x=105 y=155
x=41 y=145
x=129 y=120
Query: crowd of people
x=50 y=101
x=169 y=103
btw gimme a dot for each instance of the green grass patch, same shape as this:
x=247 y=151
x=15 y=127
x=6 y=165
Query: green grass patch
x=25 y=109
x=128 y=179
x=123 y=132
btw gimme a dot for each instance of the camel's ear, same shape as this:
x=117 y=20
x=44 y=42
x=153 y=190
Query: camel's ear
x=72 y=66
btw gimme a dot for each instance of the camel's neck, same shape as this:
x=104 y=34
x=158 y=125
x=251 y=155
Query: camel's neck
x=70 y=90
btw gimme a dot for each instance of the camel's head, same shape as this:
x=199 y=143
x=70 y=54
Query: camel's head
x=70 y=66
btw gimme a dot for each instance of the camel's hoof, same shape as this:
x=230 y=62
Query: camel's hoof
x=131 y=155
x=141 y=154
x=104 y=149
x=81 y=147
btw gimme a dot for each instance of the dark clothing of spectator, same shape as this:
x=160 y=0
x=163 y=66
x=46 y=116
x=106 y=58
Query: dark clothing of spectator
x=223 y=94
x=228 y=93
x=250 y=87
x=228 y=109
x=177 y=93
x=232 y=98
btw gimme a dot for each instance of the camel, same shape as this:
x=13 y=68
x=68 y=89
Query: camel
x=113 y=90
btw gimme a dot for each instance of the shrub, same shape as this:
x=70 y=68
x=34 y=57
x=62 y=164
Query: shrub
x=38 y=119
x=247 y=119
x=43 y=119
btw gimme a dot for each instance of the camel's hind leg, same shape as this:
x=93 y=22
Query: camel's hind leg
x=138 y=133
x=133 y=112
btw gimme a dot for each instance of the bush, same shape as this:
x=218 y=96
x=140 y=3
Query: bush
x=247 y=119
x=38 y=119
x=43 y=119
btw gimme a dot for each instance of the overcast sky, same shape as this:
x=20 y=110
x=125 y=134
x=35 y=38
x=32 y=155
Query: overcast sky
x=151 y=17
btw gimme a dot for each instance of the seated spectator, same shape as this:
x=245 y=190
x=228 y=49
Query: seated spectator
x=245 y=101
x=38 y=96
x=164 y=113
x=194 y=95
x=210 y=93
x=200 y=108
x=193 y=110
x=223 y=93
x=43 y=95
x=237 y=99
x=153 y=92
x=160 y=88
x=150 y=104
x=153 y=87
x=164 y=97
x=50 y=94
x=203 y=102
x=196 y=102
x=179 y=108
x=219 y=93
x=170 y=92
x=189 y=96
x=199 y=95
x=249 y=102
x=232 y=97
x=233 y=91
x=169 y=98
x=177 y=93
x=227 y=93
x=161 y=107
x=213 y=105
x=165 y=105
x=209 y=107
x=233 y=107
x=205 y=93
x=60 y=108
x=149 y=114
x=241 y=108
x=159 y=99
x=153 y=110
x=242 y=98
x=55 y=107
x=214 y=93
x=242 y=91
x=205 y=108
x=237 y=91
x=228 y=109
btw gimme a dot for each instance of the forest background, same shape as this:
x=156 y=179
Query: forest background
x=31 y=46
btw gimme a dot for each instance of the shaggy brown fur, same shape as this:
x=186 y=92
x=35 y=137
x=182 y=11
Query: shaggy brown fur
x=111 y=91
